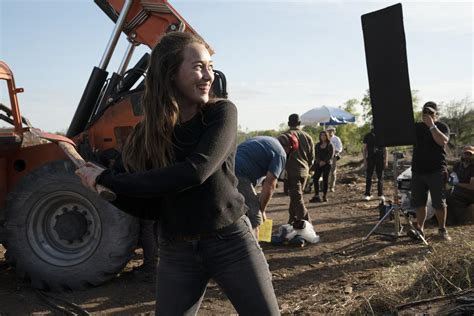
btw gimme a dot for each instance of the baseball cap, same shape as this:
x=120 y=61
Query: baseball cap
x=331 y=128
x=433 y=107
x=468 y=149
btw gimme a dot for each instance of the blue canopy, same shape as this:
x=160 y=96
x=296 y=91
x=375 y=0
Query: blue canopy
x=326 y=115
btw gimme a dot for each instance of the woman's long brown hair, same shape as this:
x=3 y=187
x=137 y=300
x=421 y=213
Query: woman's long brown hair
x=150 y=145
x=327 y=137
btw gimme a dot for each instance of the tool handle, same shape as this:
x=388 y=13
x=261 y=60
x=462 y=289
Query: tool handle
x=79 y=162
x=72 y=154
x=105 y=193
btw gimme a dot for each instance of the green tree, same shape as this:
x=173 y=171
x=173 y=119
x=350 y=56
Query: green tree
x=367 y=106
x=350 y=106
x=313 y=131
x=416 y=105
x=241 y=136
x=459 y=115
x=283 y=127
x=350 y=133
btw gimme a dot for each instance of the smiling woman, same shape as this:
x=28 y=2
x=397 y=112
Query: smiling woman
x=180 y=170
x=189 y=68
x=193 y=79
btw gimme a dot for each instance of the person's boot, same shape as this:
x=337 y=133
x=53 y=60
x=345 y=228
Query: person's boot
x=443 y=234
x=415 y=233
x=325 y=199
x=315 y=199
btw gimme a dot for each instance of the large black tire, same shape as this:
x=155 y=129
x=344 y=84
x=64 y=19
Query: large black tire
x=62 y=236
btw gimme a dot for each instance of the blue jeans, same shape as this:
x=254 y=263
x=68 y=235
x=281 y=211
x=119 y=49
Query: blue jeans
x=232 y=258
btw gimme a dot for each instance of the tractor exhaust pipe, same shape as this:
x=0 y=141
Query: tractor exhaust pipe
x=97 y=79
x=88 y=101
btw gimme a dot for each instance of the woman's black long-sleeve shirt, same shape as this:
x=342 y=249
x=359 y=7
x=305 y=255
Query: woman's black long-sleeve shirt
x=198 y=193
x=324 y=154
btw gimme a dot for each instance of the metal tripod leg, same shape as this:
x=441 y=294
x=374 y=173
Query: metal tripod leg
x=396 y=209
x=387 y=214
x=417 y=232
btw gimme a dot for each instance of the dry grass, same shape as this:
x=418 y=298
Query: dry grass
x=444 y=271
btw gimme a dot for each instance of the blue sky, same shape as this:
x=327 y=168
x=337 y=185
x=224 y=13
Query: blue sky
x=280 y=57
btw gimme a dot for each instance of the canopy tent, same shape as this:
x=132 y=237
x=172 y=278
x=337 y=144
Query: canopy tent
x=326 y=115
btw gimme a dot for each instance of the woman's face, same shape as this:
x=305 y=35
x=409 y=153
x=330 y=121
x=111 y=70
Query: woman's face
x=195 y=76
x=322 y=137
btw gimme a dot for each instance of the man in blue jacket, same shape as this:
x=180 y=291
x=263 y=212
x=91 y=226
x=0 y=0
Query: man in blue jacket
x=260 y=160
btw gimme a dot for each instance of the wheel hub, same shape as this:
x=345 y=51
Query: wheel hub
x=64 y=228
x=71 y=225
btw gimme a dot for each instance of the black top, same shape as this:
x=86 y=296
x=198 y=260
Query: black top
x=373 y=151
x=198 y=193
x=464 y=173
x=428 y=156
x=323 y=154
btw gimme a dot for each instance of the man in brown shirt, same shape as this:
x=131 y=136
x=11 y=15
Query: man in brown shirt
x=297 y=169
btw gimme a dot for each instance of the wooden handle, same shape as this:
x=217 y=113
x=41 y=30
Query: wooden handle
x=105 y=193
x=79 y=162
x=72 y=154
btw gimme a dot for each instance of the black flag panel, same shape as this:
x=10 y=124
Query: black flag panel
x=387 y=67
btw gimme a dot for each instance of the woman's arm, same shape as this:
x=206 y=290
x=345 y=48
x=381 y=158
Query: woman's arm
x=215 y=145
x=317 y=154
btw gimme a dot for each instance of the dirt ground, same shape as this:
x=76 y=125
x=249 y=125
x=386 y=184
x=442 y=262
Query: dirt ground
x=308 y=280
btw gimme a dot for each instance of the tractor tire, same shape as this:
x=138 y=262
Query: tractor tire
x=61 y=236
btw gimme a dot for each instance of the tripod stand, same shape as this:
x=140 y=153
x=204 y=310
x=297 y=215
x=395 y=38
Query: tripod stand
x=394 y=210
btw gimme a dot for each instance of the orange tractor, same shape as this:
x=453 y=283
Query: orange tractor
x=58 y=234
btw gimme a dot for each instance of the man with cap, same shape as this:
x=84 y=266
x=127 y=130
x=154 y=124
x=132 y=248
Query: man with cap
x=462 y=195
x=337 y=145
x=260 y=160
x=429 y=168
x=297 y=169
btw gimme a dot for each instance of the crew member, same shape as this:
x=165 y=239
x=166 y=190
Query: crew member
x=260 y=160
x=429 y=168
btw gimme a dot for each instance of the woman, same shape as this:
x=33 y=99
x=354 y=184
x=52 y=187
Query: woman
x=180 y=159
x=322 y=165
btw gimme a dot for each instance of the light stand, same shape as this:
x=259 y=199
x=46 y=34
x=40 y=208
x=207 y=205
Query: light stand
x=395 y=210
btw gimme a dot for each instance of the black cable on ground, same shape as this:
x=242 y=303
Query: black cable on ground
x=68 y=308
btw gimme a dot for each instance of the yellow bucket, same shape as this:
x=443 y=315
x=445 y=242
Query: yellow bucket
x=265 y=231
